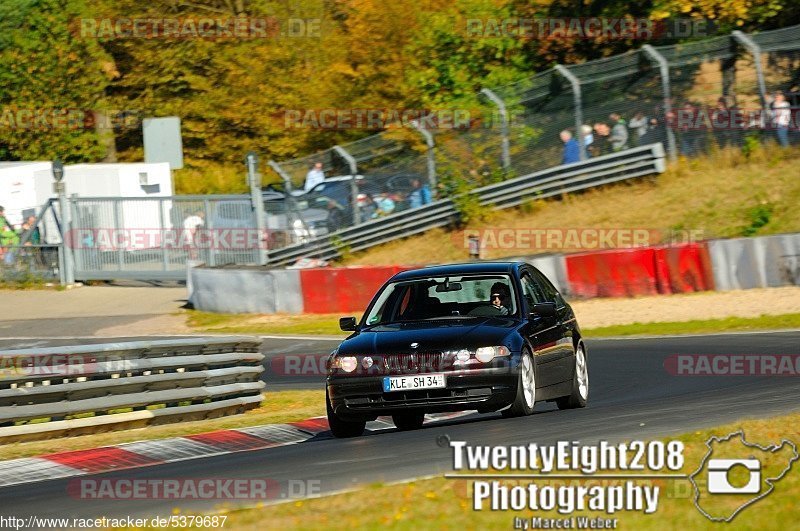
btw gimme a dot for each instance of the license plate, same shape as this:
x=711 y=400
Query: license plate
x=410 y=383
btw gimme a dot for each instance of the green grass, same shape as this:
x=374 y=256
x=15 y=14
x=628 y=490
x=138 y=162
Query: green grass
x=328 y=324
x=702 y=326
x=277 y=407
x=447 y=504
x=305 y=324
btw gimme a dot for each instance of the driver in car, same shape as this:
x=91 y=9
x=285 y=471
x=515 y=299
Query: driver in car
x=500 y=298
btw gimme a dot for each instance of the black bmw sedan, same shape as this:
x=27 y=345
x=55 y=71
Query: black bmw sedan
x=487 y=336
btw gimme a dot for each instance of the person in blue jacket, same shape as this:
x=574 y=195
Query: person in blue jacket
x=572 y=151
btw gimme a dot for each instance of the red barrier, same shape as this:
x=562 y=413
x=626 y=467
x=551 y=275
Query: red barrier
x=642 y=271
x=342 y=290
x=685 y=268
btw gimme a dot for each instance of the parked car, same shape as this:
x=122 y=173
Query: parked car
x=483 y=336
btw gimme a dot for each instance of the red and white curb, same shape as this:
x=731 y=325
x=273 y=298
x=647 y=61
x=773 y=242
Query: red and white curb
x=160 y=451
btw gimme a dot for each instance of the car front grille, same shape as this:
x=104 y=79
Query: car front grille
x=416 y=363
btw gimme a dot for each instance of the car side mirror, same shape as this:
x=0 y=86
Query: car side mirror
x=347 y=324
x=544 y=309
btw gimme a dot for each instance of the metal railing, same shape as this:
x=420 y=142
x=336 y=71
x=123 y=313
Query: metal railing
x=677 y=94
x=72 y=389
x=628 y=164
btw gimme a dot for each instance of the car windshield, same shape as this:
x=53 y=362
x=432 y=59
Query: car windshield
x=452 y=297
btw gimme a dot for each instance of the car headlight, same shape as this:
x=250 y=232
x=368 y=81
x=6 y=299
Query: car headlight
x=487 y=354
x=345 y=363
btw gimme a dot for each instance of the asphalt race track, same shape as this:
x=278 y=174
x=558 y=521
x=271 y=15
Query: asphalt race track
x=631 y=396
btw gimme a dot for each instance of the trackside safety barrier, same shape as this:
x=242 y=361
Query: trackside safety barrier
x=606 y=169
x=641 y=271
x=762 y=262
x=85 y=388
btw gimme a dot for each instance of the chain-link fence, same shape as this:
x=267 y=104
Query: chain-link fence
x=692 y=97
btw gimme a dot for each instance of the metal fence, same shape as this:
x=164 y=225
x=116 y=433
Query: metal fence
x=563 y=179
x=691 y=97
x=73 y=389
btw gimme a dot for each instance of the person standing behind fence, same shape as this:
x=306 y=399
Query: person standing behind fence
x=638 y=126
x=572 y=151
x=781 y=116
x=8 y=237
x=190 y=227
x=420 y=195
x=314 y=176
x=588 y=139
x=619 y=132
x=600 y=144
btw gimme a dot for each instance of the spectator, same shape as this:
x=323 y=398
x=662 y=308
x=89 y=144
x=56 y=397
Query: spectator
x=781 y=116
x=8 y=237
x=30 y=226
x=638 y=125
x=721 y=122
x=190 y=227
x=385 y=205
x=588 y=139
x=572 y=151
x=366 y=207
x=420 y=195
x=600 y=142
x=655 y=133
x=314 y=176
x=619 y=133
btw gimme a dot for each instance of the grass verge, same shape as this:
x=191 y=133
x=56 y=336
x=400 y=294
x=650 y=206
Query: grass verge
x=328 y=324
x=701 y=326
x=305 y=324
x=447 y=504
x=277 y=407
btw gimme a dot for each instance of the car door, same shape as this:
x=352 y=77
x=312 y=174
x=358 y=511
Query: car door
x=565 y=323
x=542 y=332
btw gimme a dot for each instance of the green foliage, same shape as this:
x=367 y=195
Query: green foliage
x=45 y=69
x=232 y=94
x=758 y=216
x=752 y=144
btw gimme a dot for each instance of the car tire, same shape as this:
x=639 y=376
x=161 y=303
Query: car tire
x=408 y=421
x=580 y=383
x=525 y=400
x=343 y=428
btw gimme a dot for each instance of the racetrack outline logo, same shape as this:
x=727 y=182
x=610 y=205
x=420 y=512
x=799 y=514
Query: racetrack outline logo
x=772 y=449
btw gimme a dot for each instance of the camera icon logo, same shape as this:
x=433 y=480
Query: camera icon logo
x=719 y=472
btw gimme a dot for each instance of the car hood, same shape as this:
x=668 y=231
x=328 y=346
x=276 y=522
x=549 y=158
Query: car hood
x=442 y=334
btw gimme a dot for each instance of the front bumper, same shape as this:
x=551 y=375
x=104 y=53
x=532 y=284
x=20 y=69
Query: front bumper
x=485 y=389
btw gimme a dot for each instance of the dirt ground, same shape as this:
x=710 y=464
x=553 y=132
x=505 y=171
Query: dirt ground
x=595 y=313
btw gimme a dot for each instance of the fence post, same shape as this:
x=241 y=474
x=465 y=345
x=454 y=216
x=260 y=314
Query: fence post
x=162 y=234
x=755 y=50
x=353 y=187
x=254 y=178
x=663 y=66
x=431 y=153
x=504 y=142
x=578 y=103
x=287 y=180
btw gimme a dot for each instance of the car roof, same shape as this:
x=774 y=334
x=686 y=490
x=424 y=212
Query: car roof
x=468 y=268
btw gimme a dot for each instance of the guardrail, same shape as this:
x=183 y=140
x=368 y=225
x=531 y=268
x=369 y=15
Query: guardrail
x=628 y=164
x=79 y=389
